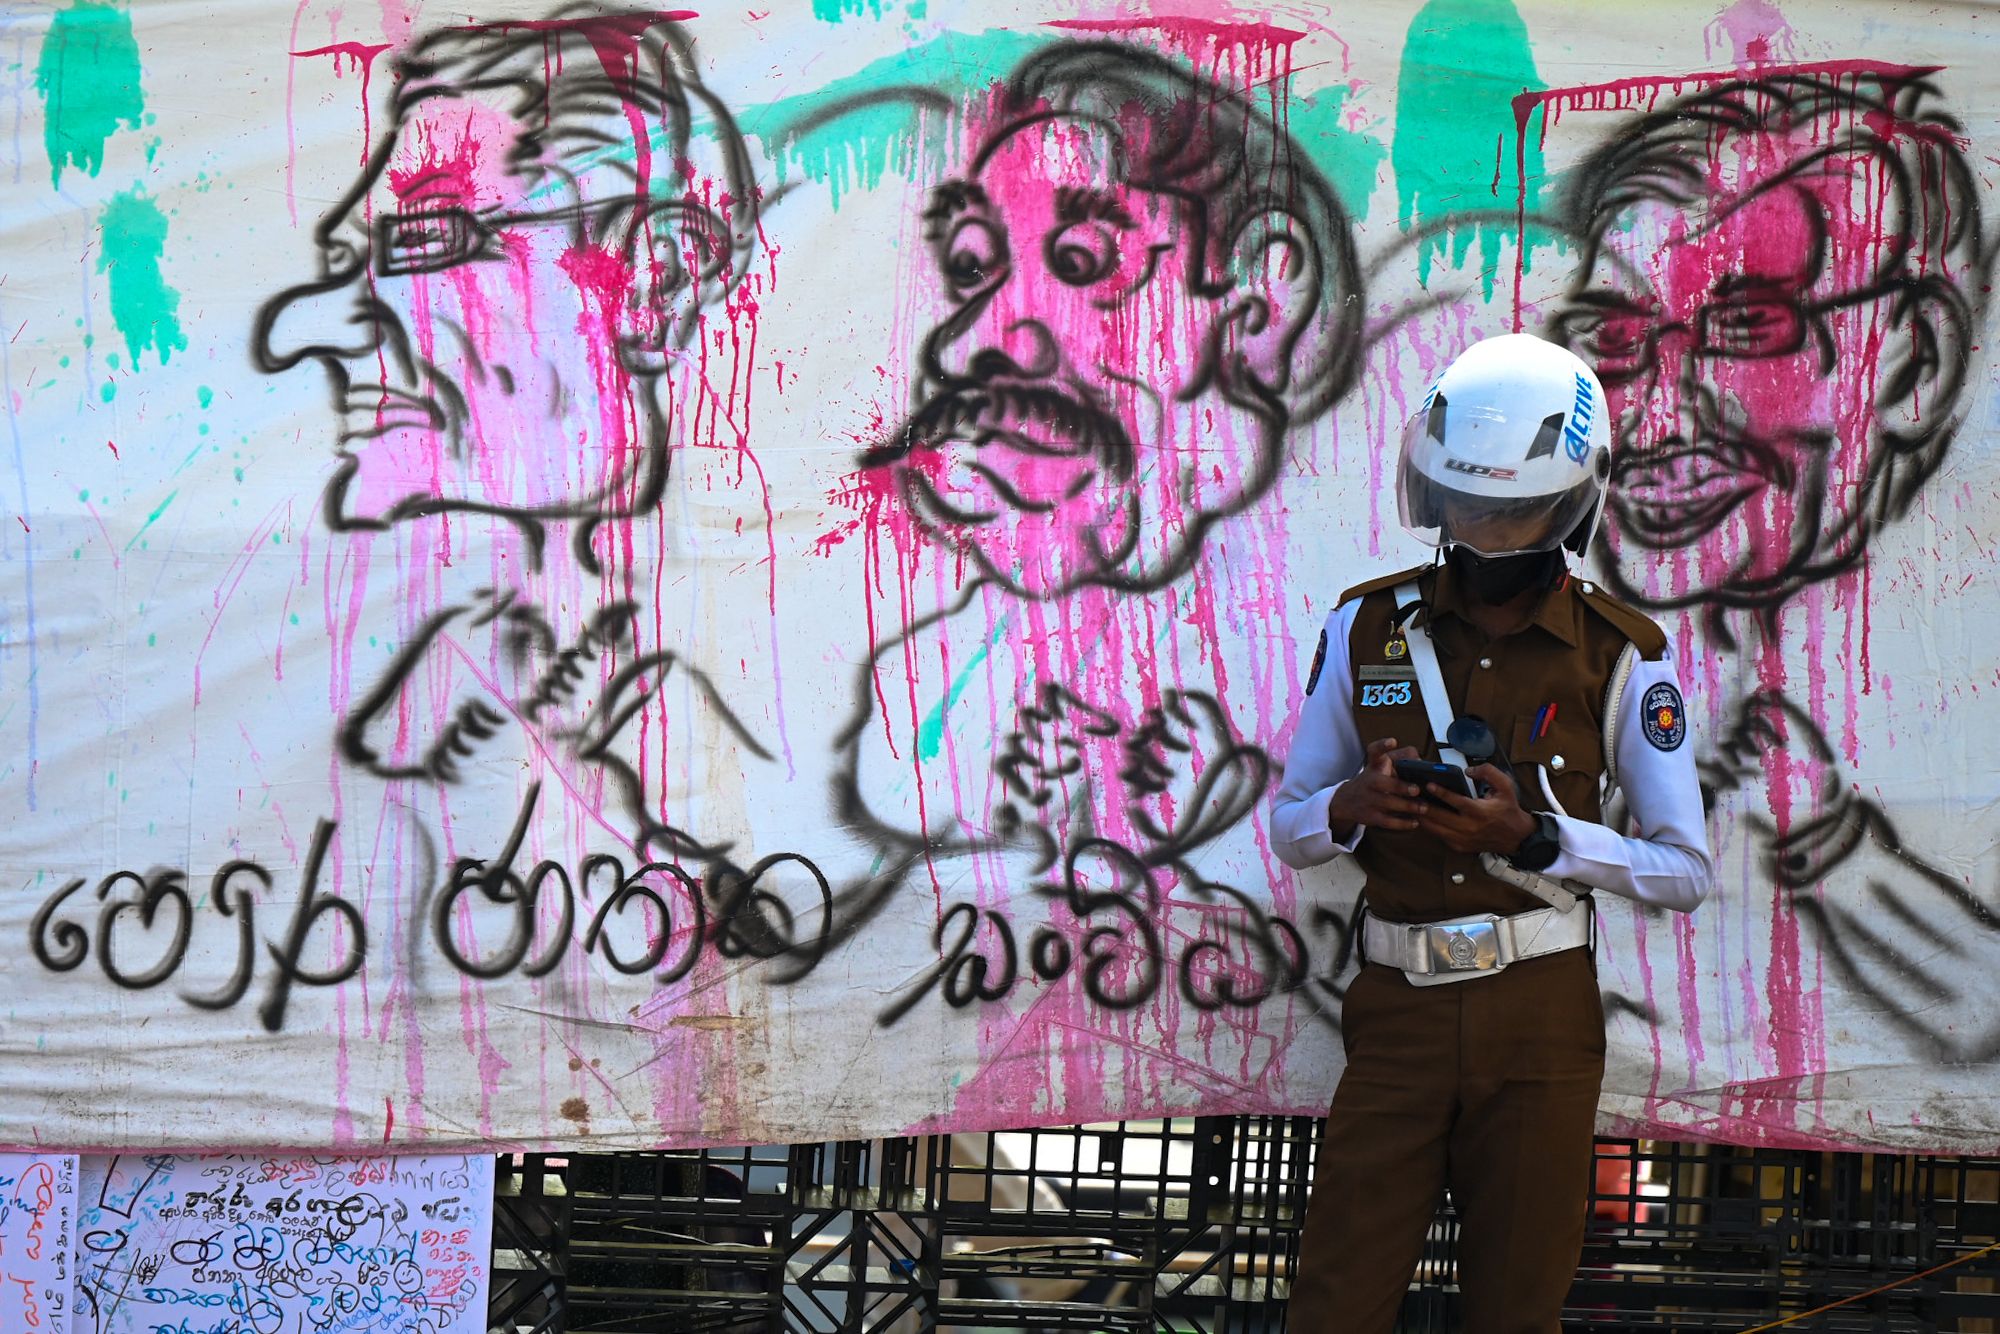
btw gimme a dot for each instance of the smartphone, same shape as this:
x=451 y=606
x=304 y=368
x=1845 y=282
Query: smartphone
x=1447 y=776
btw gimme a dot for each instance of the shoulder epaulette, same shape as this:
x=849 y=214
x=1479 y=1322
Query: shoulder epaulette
x=1635 y=625
x=1386 y=582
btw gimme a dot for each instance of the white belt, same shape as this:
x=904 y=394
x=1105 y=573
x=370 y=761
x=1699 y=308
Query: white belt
x=1433 y=953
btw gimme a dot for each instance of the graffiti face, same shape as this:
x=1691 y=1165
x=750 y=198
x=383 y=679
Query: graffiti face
x=1735 y=342
x=1064 y=408
x=503 y=288
x=480 y=359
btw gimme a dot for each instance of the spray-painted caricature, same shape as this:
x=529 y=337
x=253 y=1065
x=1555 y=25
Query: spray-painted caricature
x=535 y=177
x=1783 y=282
x=507 y=300
x=1148 y=287
x=1779 y=294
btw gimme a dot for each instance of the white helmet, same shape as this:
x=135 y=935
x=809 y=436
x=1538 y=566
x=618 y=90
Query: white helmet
x=1509 y=453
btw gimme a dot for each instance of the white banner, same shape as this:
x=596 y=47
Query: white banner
x=599 y=579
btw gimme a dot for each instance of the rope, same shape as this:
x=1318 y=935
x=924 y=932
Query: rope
x=1967 y=1258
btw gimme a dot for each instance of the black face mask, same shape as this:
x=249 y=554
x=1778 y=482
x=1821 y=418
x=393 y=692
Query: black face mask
x=1497 y=579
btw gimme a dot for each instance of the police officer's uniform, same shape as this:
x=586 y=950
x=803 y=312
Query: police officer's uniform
x=1489 y=1086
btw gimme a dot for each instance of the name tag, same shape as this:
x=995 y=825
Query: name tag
x=1403 y=673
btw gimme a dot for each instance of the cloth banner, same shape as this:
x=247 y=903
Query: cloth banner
x=593 y=578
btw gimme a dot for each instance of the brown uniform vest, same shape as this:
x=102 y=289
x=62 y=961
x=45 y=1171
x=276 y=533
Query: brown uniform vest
x=1564 y=657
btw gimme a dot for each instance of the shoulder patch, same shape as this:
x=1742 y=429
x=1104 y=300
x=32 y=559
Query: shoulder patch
x=1635 y=625
x=1319 y=661
x=1382 y=585
x=1664 y=716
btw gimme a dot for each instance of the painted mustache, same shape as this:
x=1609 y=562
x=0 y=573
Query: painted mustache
x=1030 y=419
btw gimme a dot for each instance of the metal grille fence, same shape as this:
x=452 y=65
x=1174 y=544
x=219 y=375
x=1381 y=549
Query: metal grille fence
x=1191 y=1227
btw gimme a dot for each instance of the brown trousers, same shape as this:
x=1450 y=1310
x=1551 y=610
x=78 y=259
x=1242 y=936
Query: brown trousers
x=1488 y=1087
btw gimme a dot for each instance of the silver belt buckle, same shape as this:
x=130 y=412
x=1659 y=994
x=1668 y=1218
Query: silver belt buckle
x=1463 y=947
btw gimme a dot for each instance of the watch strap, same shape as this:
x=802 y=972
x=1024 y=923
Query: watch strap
x=1539 y=850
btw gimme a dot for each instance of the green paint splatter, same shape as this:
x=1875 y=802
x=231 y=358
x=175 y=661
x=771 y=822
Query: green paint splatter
x=142 y=305
x=153 y=518
x=833 y=11
x=1351 y=158
x=108 y=392
x=88 y=78
x=1464 y=62
x=856 y=149
x=204 y=396
x=930 y=735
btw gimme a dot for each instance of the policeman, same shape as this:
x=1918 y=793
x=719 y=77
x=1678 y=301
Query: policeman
x=1474 y=1030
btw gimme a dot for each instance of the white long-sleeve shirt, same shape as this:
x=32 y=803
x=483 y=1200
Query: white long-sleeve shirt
x=1668 y=865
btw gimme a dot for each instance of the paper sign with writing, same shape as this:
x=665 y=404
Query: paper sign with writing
x=37 y=1237
x=242 y=1245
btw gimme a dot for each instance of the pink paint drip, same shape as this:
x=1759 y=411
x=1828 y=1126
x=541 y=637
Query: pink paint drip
x=1756 y=29
x=362 y=55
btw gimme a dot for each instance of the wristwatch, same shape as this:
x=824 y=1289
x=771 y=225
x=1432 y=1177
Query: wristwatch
x=1538 y=850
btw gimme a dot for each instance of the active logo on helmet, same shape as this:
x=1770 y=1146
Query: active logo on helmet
x=1576 y=437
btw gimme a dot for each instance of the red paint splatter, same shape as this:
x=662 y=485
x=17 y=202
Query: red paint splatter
x=363 y=57
x=1190 y=33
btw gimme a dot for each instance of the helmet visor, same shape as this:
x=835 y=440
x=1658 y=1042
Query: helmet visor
x=1446 y=499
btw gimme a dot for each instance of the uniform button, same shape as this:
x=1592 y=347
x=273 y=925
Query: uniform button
x=1556 y=763
x=1589 y=589
x=1486 y=662
x=1458 y=877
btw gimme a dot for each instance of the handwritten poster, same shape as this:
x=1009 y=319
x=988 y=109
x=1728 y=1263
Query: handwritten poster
x=243 y=1245
x=37 y=1232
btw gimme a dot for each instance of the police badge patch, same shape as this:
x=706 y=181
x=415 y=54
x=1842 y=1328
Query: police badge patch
x=1319 y=661
x=1665 y=718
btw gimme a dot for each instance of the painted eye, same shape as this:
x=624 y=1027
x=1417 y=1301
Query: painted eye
x=1616 y=339
x=1083 y=253
x=1620 y=334
x=1752 y=329
x=428 y=241
x=972 y=254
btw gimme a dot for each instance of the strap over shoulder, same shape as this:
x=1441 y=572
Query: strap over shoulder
x=1385 y=583
x=1629 y=621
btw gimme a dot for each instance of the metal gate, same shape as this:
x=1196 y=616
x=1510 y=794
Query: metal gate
x=1192 y=1226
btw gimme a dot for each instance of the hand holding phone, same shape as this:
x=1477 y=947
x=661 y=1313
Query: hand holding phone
x=1447 y=776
